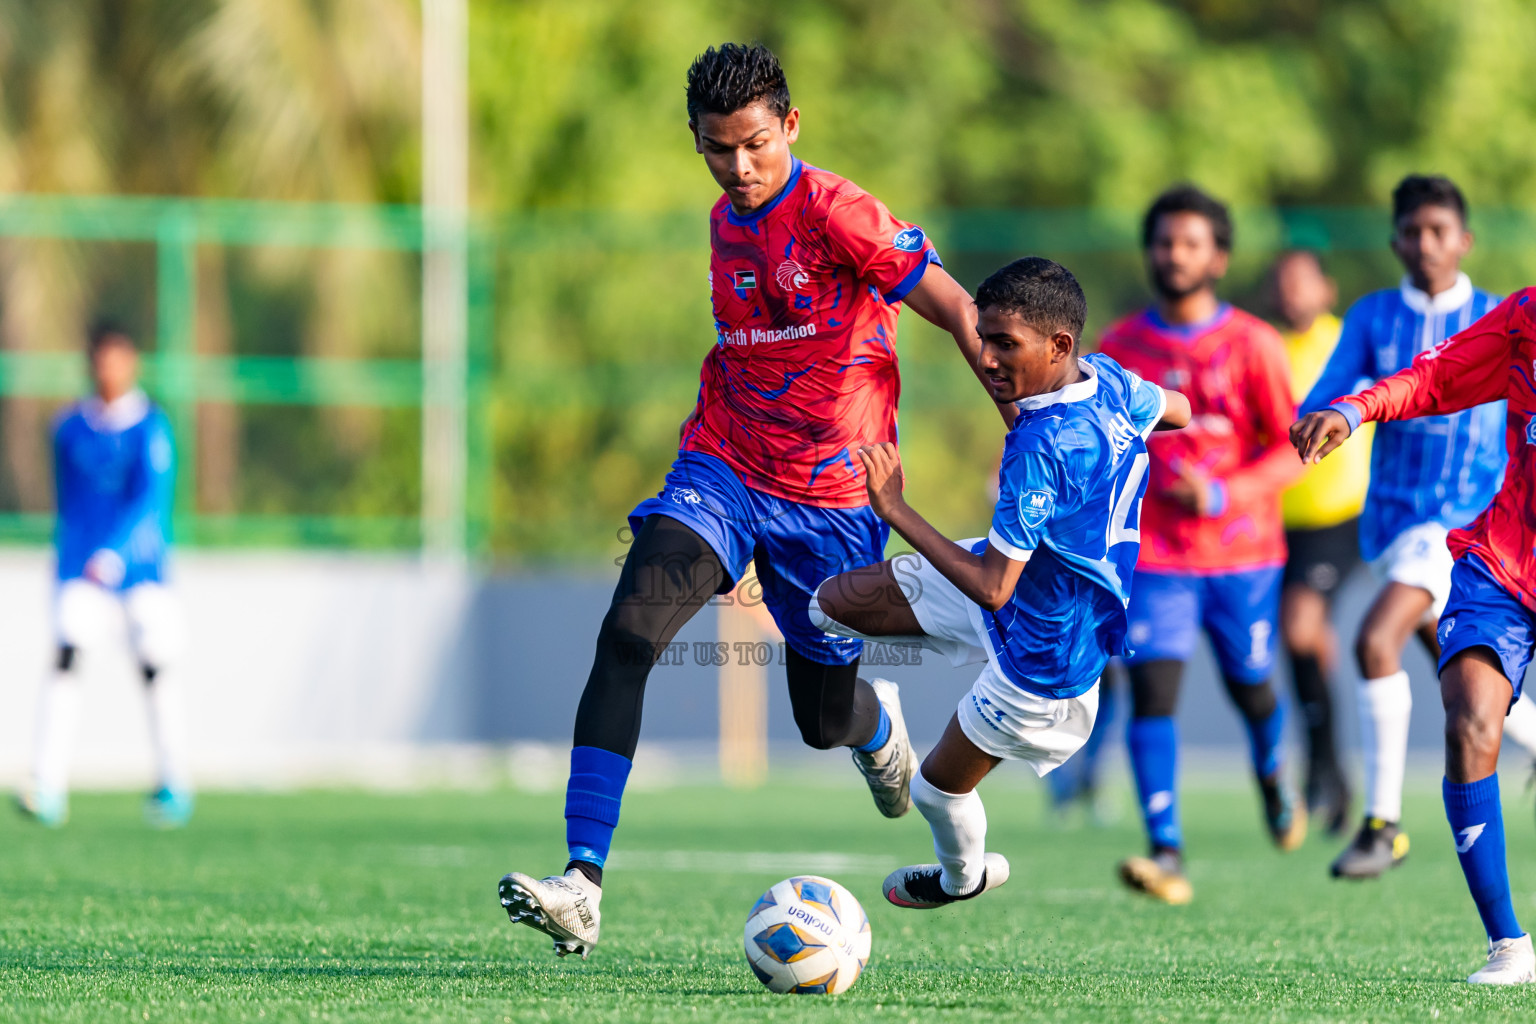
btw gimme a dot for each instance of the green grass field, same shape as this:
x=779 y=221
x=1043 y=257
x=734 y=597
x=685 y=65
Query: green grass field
x=366 y=907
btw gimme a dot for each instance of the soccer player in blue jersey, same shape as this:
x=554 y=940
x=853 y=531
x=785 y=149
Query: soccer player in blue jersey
x=1428 y=477
x=1042 y=599
x=113 y=466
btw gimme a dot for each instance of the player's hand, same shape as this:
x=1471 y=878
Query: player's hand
x=882 y=476
x=1191 y=490
x=1318 y=433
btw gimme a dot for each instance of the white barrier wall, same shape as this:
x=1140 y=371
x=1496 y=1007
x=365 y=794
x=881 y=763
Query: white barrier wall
x=381 y=670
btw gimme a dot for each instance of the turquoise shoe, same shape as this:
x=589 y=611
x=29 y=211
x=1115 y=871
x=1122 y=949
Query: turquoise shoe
x=50 y=809
x=168 y=808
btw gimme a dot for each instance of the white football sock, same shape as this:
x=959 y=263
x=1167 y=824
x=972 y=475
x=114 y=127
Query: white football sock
x=1520 y=725
x=167 y=730
x=58 y=716
x=959 y=824
x=1385 y=706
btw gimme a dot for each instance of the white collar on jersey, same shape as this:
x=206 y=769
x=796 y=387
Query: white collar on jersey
x=1074 y=392
x=117 y=415
x=1424 y=304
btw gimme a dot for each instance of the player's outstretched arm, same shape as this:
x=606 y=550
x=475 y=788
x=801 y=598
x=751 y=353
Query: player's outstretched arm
x=940 y=299
x=1318 y=433
x=1177 y=411
x=988 y=578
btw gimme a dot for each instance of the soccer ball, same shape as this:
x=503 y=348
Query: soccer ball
x=807 y=935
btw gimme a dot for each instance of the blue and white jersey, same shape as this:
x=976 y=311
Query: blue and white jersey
x=112 y=472
x=1069 y=501
x=1442 y=469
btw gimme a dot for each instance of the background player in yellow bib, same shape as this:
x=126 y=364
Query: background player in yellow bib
x=1322 y=531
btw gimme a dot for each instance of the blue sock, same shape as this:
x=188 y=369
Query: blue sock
x=592 y=800
x=1477 y=826
x=1264 y=738
x=1154 y=748
x=882 y=734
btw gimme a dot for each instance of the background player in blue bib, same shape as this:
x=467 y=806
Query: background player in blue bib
x=113 y=472
x=1041 y=600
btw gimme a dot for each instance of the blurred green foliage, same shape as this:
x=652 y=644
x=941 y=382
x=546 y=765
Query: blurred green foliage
x=1003 y=126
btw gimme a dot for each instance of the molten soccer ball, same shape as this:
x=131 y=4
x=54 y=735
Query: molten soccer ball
x=807 y=935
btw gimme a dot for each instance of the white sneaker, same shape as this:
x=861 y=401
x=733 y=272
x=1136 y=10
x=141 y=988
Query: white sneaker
x=889 y=770
x=1510 y=962
x=564 y=907
x=917 y=887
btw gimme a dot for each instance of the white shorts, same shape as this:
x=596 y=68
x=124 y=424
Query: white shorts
x=999 y=717
x=87 y=615
x=1419 y=558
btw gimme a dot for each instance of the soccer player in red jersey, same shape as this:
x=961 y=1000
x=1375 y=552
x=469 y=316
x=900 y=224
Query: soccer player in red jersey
x=1212 y=540
x=1488 y=629
x=808 y=273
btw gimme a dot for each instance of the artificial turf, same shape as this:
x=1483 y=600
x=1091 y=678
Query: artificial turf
x=367 y=907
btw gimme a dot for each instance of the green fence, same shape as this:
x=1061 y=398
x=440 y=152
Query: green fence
x=585 y=333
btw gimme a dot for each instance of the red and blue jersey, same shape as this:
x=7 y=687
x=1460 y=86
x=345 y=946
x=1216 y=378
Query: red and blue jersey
x=806 y=293
x=1493 y=359
x=1234 y=371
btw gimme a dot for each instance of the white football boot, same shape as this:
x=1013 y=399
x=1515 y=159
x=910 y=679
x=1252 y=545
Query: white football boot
x=564 y=907
x=889 y=770
x=1510 y=962
x=917 y=887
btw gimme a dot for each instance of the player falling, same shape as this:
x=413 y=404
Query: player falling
x=1041 y=600
x=1487 y=631
x=113 y=471
x=1212 y=541
x=807 y=273
x=1428 y=476
x=1322 y=533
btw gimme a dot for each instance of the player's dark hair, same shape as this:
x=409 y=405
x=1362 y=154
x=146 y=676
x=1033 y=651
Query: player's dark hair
x=1418 y=190
x=724 y=81
x=1041 y=292
x=1189 y=199
x=104 y=329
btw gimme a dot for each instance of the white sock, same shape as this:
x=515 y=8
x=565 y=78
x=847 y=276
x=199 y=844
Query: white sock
x=58 y=716
x=1385 y=706
x=1520 y=725
x=959 y=824
x=167 y=730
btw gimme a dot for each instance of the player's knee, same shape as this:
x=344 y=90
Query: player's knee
x=1471 y=736
x=1254 y=701
x=631 y=632
x=1377 y=654
x=1155 y=688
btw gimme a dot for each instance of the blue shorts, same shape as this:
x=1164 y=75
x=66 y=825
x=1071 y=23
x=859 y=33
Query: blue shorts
x=795 y=546
x=1481 y=613
x=1237 y=610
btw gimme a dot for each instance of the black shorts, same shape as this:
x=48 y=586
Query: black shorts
x=1322 y=559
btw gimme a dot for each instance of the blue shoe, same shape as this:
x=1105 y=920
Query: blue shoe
x=50 y=809
x=168 y=808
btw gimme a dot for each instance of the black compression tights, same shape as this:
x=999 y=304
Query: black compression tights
x=669 y=574
x=1155 y=691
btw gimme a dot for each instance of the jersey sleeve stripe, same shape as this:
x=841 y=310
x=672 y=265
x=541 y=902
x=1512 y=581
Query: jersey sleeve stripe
x=1013 y=552
x=915 y=275
x=1162 y=408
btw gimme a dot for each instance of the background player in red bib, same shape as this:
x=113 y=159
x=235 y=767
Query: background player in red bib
x=1488 y=629
x=1212 y=542
x=808 y=273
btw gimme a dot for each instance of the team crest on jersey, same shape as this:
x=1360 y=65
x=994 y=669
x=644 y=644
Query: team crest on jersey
x=1530 y=430
x=1035 y=507
x=910 y=240
x=791 y=276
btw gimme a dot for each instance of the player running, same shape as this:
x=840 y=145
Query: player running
x=1487 y=630
x=113 y=466
x=1428 y=476
x=1213 y=544
x=1042 y=598
x=808 y=273
x=1322 y=532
